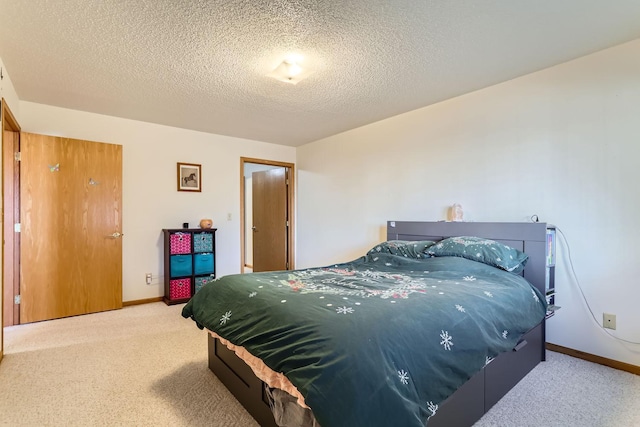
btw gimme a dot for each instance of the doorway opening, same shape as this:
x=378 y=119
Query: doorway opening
x=267 y=192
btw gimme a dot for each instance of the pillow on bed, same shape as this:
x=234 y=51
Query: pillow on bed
x=406 y=248
x=482 y=250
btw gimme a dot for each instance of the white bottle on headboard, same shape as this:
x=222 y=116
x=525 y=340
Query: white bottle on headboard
x=456 y=213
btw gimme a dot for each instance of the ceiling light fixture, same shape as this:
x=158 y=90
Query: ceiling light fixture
x=289 y=71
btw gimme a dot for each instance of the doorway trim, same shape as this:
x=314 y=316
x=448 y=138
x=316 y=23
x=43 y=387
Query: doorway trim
x=9 y=124
x=290 y=167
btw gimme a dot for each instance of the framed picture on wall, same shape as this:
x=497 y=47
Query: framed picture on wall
x=189 y=177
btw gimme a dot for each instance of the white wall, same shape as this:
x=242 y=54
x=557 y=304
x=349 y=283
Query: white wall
x=150 y=199
x=562 y=143
x=8 y=92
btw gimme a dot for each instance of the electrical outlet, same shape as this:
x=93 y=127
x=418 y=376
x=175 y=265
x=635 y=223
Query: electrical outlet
x=609 y=320
x=229 y=216
x=148 y=278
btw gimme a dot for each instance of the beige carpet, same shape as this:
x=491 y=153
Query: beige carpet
x=147 y=366
x=569 y=392
x=140 y=366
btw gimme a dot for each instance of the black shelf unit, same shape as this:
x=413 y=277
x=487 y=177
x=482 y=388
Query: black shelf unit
x=189 y=262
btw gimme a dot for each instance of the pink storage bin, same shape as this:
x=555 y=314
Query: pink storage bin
x=180 y=243
x=180 y=288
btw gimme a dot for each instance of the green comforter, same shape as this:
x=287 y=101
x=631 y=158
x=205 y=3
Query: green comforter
x=379 y=341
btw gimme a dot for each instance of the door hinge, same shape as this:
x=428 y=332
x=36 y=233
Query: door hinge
x=17 y=299
x=16 y=227
x=287 y=223
x=17 y=156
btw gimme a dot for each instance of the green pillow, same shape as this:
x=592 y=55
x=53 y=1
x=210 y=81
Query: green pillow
x=405 y=248
x=483 y=250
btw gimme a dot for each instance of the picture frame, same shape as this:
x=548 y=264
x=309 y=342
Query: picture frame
x=189 y=177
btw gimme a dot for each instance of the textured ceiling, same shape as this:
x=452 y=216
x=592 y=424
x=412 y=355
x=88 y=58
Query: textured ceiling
x=202 y=64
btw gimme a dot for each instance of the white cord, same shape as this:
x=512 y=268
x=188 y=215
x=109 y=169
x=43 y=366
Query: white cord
x=575 y=277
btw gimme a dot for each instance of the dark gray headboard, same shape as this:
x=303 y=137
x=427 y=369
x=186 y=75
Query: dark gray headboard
x=528 y=237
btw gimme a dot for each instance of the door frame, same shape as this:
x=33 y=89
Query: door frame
x=9 y=123
x=290 y=167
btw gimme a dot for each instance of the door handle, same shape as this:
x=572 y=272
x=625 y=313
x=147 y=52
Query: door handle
x=520 y=345
x=116 y=235
x=254 y=228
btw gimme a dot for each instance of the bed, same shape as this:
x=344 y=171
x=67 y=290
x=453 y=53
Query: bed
x=358 y=342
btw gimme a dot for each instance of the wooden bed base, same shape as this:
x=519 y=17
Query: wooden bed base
x=471 y=401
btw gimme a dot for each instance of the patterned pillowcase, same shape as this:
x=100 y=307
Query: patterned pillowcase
x=406 y=248
x=483 y=250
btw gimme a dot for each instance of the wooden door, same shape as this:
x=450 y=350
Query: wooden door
x=269 y=200
x=71 y=246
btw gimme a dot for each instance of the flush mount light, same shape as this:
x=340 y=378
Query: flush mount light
x=289 y=71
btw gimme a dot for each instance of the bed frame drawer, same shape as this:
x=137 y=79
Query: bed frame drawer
x=508 y=368
x=238 y=377
x=449 y=413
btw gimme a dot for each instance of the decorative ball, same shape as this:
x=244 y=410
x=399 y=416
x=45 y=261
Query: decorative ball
x=206 y=223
